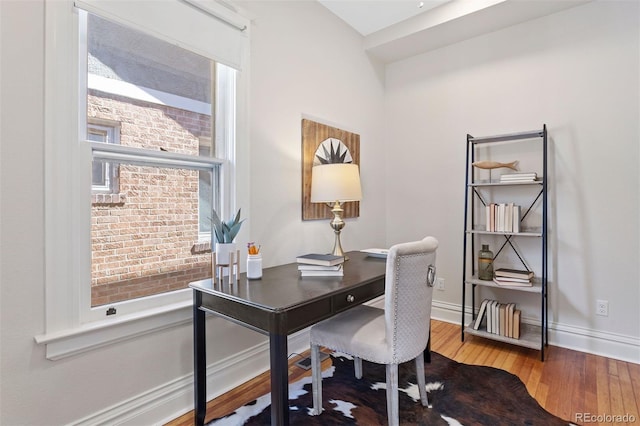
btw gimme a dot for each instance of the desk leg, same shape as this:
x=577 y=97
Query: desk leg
x=427 y=350
x=279 y=379
x=199 y=361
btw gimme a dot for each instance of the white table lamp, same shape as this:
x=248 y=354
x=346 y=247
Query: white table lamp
x=334 y=184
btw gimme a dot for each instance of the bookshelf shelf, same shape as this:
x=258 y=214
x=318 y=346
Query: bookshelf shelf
x=529 y=336
x=480 y=184
x=523 y=233
x=536 y=286
x=480 y=220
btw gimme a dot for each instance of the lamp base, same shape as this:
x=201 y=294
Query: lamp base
x=337 y=224
x=337 y=247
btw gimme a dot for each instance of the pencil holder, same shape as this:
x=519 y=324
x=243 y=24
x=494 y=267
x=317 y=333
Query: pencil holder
x=254 y=266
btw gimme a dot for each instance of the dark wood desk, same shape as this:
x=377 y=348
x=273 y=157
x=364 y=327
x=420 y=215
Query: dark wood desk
x=279 y=304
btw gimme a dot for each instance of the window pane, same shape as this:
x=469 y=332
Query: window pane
x=204 y=193
x=159 y=93
x=145 y=243
x=99 y=168
x=99 y=175
x=148 y=223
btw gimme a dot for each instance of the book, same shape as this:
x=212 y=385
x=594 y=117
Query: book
x=519 y=179
x=503 y=319
x=492 y=217
x=512 y=282
x=338 y=273
x=320 y=259
x=306 y=267
x=493 y=323
x=516 y=324
x=513 y=273
x=510 y=309
x=500 y=217
x=487 y=214
x=508 y=218
x=483 y=308
x=514 y=177
x=516 y=219
x=517 y=176
x=500 y=318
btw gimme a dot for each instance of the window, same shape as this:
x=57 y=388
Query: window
x=104 y=177
x=169 y=174
x=155 y=110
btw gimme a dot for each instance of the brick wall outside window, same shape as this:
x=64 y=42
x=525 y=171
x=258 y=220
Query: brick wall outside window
x=142 y=236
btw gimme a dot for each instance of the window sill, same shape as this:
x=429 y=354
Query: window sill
x=108 y=199
x=65 y=343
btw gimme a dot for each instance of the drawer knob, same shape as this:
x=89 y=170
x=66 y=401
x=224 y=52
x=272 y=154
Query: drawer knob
x=351 y=298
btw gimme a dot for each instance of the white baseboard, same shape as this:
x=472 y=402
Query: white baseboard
x=610 y=345
x=173 y=399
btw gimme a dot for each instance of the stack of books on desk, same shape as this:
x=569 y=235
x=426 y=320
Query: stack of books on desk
x=320 y=265
x=513 y=277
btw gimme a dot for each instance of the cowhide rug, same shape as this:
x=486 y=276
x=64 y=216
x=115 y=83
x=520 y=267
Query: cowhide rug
x=459 y=394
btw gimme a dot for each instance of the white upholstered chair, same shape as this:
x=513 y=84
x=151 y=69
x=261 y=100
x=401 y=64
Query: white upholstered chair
x=393 y=335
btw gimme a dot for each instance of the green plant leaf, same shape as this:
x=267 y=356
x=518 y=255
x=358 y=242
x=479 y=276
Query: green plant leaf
x=226 y=232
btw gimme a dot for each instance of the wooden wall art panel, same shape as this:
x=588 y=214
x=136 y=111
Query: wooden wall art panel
x=320 y=144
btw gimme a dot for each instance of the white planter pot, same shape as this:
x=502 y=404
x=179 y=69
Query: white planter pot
x=223 y=251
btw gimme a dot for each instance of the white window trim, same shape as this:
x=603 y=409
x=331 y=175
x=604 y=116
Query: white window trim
x=110 y=179
x=67 y=204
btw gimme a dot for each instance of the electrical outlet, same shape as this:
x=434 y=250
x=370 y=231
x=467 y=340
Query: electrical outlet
x=440 y=284
x=602 y=308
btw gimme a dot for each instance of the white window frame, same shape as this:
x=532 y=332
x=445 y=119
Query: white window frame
x=110 y=172
x=71 y=326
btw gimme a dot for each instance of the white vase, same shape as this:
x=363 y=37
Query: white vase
x=223 y=251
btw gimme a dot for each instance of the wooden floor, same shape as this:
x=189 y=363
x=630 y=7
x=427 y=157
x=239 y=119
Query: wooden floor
x=575 y=386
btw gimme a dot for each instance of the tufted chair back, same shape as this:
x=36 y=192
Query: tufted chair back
x=410 y=276
x=390 y=336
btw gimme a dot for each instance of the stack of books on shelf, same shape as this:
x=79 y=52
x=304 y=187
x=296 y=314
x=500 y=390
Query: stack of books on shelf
x=320 y=265
x=519 y=177
x=513 y=277
x=502 y=217
x=501 y=318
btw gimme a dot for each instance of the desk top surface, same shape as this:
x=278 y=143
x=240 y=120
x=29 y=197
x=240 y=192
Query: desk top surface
x=282 y=287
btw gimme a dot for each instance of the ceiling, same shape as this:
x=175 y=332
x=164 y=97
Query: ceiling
x=369 y=16
x=397 y=29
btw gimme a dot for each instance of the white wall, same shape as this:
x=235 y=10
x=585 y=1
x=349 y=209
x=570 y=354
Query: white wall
x=305 y=62
x=147 y=379
x=577 y=71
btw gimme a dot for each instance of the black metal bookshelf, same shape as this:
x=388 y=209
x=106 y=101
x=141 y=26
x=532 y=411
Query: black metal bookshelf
x=535 y=336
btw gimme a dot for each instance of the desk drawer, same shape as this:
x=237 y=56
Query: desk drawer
x=356 y=296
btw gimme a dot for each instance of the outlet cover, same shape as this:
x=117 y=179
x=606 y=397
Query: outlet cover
x=440 y=284
x=602 y=308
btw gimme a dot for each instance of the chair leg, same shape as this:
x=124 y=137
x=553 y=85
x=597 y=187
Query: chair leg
x=392 y=394
x=357 y=365
x=422 y=387
x=316 y=379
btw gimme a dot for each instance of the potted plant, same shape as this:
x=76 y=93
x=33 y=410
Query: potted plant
x=225 y=233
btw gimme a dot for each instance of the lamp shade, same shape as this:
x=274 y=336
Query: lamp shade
x=335 y=182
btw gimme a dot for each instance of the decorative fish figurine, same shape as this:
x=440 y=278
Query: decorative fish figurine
x=494 y=165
